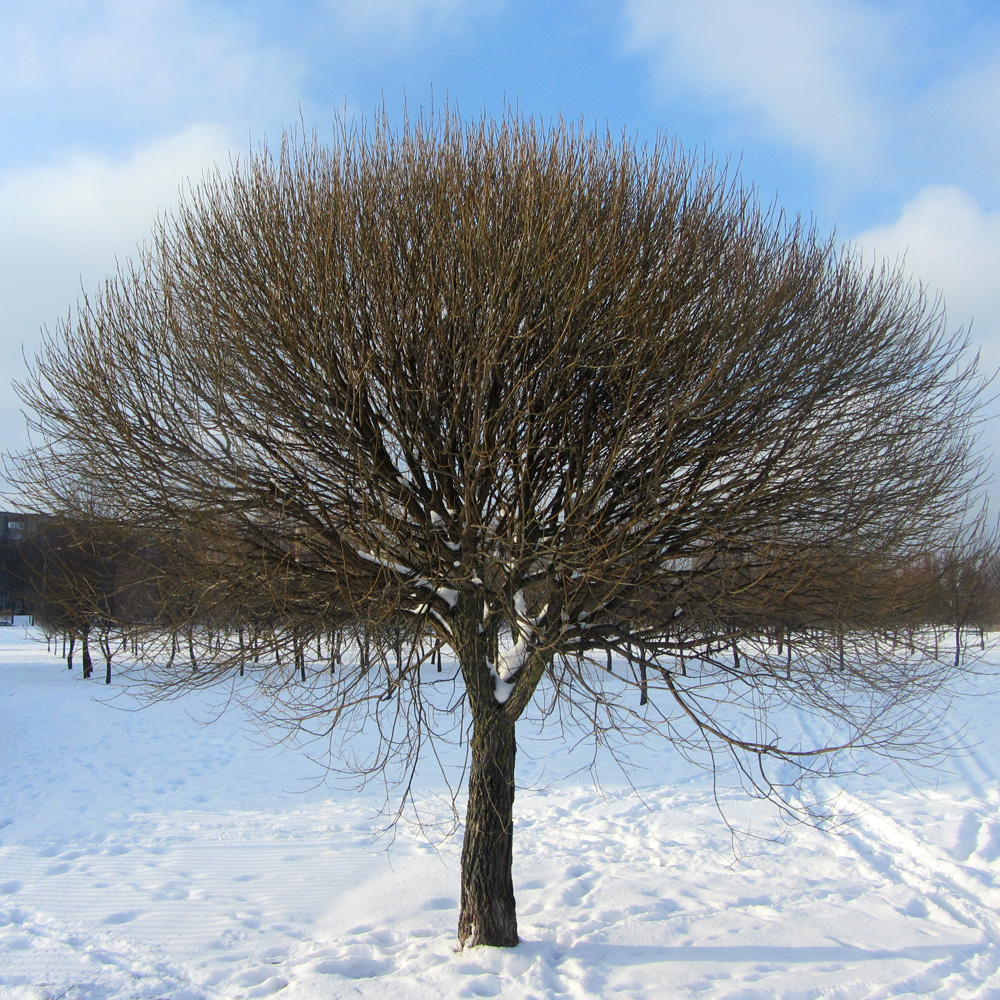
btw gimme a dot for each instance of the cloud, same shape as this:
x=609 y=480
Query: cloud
x=64 y=226
x=159 y=63
x=797 y=70
x=951 y=245
x=94 y=201
x=891 y=97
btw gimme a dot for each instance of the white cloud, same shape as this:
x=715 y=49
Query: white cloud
x=952 y=246
x=169 y=60
x=794 y=69
x=65 y=225
x=888 y=96
x=100 y=202
x=109 y=93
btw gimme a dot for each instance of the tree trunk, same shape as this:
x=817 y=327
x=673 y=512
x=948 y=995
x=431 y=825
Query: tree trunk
x=488 y=913
x=105 y=641
x=88 y=663
x=300 y=659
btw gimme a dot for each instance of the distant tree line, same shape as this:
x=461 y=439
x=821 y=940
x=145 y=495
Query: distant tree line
x=99 y=585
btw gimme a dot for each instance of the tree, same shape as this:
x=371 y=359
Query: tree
x=72 y=578
x=543 y=398
x=12 y=574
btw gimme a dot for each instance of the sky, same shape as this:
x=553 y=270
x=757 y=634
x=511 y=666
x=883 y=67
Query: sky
x=878 y=119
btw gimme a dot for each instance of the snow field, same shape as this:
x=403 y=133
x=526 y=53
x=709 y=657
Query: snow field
x=143 y=855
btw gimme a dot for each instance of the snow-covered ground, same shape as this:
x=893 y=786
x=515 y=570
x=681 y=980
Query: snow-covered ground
x=146 y=855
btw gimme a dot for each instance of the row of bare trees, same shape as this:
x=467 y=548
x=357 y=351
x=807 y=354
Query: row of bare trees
x=82 y=578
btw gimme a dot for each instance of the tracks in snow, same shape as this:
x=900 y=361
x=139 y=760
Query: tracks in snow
x=966 y=893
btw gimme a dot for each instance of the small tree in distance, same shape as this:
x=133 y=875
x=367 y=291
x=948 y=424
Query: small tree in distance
x=71 y=575
x=544 y=399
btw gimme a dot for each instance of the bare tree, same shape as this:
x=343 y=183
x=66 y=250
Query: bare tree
x=549 y=400
x=71 y=575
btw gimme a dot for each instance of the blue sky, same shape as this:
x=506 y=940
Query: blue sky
x=880 y=118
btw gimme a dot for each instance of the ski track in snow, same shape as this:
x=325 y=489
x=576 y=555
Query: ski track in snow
x=146 y=857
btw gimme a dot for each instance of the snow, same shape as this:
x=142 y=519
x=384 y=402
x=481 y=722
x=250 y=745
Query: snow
x=447 y=594
x=510 y=662
x=503 y=678
x=385 y=563
x=144 y=854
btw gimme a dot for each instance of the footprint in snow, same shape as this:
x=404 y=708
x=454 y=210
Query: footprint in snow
x=968 y=833
x=253 y=977
x=989 y=842
x=272 y=985
x=273 y=955
x=354 y=968
x=578 y=886
x=483 y=986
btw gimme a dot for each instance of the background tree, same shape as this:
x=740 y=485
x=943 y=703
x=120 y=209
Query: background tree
x=965 y=594
x=13 y=596
x=545 y=399
x=72 y=575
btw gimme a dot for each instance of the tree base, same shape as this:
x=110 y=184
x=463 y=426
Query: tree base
x=489 y=914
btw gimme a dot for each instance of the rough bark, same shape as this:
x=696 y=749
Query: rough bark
x=88 y=662
x=105 y=642
x=488 y=911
